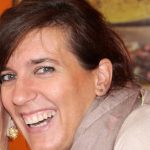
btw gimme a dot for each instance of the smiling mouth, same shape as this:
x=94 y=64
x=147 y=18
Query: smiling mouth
x=39 y=119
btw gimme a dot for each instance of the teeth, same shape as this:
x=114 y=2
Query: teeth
x=34 y=119
x=53 y=113
x=40 y=116
x=49 y=114
x=39 y=125
x=45 y=115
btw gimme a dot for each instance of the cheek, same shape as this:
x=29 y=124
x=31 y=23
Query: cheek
x=5 y=97
x=6 y=100
x=64 y=93
x=58 y=89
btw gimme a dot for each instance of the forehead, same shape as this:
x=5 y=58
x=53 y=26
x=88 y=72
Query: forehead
x=45 y=38
x=46 y=44
x=54 y=41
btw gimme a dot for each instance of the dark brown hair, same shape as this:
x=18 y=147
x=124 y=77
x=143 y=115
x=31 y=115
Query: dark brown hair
x=91 y=37
x=3 y=128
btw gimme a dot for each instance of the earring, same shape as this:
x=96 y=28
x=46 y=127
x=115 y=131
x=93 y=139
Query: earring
x=12 y=131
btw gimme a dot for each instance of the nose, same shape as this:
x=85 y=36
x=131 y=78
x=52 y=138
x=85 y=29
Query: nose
x=23 y=92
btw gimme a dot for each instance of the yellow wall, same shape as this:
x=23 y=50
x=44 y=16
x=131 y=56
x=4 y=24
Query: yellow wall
x=123 y=10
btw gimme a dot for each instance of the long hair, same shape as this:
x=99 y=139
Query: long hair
x=3 y=128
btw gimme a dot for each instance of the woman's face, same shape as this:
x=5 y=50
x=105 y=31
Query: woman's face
x=45 y=89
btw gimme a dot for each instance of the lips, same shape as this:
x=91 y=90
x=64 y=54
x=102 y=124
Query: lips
x=38 y=119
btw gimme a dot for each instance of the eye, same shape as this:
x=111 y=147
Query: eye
x=44 y=70
x=7 y=77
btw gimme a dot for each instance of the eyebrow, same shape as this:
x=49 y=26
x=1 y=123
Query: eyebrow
x=4 y=68
x=33 y=61
x=41 y=60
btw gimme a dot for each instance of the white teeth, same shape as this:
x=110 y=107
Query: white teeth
x=53 y=113
x=30 y=121
x=49 y=114
x=40 y=116
x=45 y=116
x=34 y=119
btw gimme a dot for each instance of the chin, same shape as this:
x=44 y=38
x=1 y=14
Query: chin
x=49 y=147
x=48 y=144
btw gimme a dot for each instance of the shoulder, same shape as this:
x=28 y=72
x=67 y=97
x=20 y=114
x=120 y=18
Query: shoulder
x=135 y=131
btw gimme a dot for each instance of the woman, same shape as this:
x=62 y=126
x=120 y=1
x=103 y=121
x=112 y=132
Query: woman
x=66 y=77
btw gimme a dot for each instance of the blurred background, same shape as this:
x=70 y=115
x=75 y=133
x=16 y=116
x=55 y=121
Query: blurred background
x=131 y=20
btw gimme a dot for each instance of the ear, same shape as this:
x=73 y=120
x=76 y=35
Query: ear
x=104 y=77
